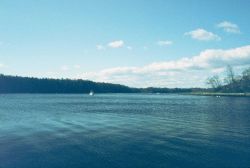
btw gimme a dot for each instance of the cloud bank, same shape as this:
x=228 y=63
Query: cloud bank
x=185 y=72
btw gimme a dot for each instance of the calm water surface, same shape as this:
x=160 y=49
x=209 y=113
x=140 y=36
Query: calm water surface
x=123 y=131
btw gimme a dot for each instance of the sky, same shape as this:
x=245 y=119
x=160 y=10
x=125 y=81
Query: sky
x=139 y=43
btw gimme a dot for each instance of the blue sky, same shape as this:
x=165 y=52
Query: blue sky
x=161 y=43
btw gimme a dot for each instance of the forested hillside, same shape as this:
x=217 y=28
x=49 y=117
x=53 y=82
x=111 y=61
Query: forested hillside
x=16 y=84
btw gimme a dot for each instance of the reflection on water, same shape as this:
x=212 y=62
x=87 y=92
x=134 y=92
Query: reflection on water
x=123 y=130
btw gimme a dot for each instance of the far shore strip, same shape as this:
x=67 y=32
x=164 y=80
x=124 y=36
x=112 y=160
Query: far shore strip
x=220 y=94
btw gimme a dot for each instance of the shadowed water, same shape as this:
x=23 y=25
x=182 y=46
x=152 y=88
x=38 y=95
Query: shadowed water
x=123 y=131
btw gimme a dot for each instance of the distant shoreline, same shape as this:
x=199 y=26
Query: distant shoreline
x=29 y=85
x=18 y=84
x=219 y=94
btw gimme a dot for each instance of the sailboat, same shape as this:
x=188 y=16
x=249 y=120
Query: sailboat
x=91 y=93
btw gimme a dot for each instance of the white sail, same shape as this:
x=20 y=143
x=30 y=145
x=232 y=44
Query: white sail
x=91 y=93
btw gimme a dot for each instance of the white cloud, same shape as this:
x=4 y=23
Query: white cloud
x=229 y=27
x=218 y=70
x=116 y=44
x=185 y=72
x=164 y=43
x=2 y=65
x=203 y=35
x=100 y=47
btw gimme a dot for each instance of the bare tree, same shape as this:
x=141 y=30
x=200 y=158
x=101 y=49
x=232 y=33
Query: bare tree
x=246 y=74
x=214 y=81
x=230 y=77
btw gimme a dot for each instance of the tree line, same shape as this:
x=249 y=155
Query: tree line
x=231 y=82
x=16 y=84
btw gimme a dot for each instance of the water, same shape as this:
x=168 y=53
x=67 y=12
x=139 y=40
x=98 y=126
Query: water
x=123 y=131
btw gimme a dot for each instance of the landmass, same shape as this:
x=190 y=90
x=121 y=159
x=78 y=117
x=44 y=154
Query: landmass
x=233 y=86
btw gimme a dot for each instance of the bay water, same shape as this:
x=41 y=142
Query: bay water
x=123 y=131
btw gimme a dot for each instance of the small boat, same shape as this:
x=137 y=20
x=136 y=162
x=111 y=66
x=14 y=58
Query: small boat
x=91 y=93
